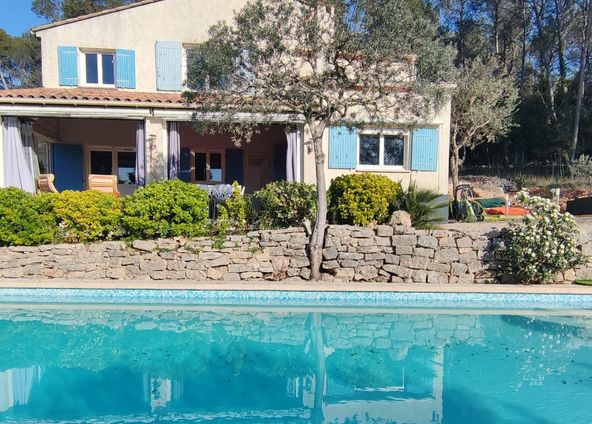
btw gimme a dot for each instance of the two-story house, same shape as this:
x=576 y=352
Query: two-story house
x=111 y=103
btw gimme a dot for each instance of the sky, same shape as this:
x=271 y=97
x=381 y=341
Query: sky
x=16 y=16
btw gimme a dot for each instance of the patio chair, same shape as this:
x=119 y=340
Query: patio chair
x=103 y=183
x=45 y=183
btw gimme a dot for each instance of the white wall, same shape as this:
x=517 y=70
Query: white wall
x=138 y=29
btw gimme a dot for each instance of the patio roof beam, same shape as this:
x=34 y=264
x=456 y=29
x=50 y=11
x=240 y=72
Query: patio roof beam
x=186 y=115
x=74 y=112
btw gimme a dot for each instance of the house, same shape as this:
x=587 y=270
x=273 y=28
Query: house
x=111 y=103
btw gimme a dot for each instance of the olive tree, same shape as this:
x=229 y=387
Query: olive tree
x=323 y=62
x=483 y=105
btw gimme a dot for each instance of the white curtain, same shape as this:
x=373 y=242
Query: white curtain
x=20 y=161
x=293 y=156
x=140 y=155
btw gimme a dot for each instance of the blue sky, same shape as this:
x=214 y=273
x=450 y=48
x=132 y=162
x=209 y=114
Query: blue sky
x=16 y=16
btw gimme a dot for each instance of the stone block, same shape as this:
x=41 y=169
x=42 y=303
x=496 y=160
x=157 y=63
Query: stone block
x=330 y=265
x=305 y=273
x=464 y=242
x=375 y=257
x=459 y=269
x=239 y=254
x=427 y=241
x=195 y=275
x=330 y=254
x=216 y=274
x=299 y=262
x=404 y=240
x=144 y=245
x=419 y=276
x=435 y=277
x=424 y=253
x=446 y=255
x=366 y=273
x=351 y=256
x=468 y=257
x=398 y=271
x=221 y=261
x=382 y=241
x=392 y=259
x=348 y=263
x=242 y=268
x=384 y=231
x=209 y=256
x=414 y=262
x=363 y=233
x=344 y=274
x=435 y=266
x=447 y=242
x=404 y=250
x=466 y=279
x=396 y=280
x=155 y=264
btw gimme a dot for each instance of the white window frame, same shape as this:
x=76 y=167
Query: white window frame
x=381 y=166
x=99 y=52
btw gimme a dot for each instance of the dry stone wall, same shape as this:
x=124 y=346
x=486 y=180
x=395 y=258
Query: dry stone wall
x=395 y=254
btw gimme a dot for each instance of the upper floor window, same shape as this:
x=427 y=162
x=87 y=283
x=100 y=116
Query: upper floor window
x=384 y=150
x=99 y=68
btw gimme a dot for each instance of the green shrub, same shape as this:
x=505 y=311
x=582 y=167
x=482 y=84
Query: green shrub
x=86 y=216
x=234 y=211
x=284 y=204
x=25 y=219
x=166 y=209
x=359 y=199
x=421 y=204
x=543 y=244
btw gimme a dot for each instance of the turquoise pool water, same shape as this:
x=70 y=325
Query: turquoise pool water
x=226 y=364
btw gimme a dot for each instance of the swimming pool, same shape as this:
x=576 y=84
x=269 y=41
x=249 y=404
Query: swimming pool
x=288 y=362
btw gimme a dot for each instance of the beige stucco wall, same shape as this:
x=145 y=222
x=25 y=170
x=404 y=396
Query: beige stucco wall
x=138 y=29
x=433 y=180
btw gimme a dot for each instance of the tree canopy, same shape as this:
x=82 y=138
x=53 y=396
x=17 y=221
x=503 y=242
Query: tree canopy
x=55 y=10
x=355 y=62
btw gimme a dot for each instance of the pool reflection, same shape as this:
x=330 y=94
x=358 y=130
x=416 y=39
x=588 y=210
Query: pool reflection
x=193 y=366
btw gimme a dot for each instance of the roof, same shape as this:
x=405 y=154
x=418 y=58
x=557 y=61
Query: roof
x=85 y=95
x=94 y=15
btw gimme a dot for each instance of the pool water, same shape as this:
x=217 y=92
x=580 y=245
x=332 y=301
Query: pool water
x=211 y=364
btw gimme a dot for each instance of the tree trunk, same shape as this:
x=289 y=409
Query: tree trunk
x=317 y=239
x=586 y=35
x=455 y=163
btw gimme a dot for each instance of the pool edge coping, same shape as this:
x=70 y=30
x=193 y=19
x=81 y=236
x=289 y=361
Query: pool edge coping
x=551 y=289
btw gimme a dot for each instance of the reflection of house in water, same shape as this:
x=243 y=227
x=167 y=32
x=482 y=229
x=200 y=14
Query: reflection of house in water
x=16 y=385
x=415 y=395
x=290 y=367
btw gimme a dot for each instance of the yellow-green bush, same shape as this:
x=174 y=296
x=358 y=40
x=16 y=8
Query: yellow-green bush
x=166 y=209
x=85 y=216
x=359 y=199
x=25 y=219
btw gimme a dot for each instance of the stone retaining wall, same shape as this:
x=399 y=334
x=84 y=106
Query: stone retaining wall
x=389 y=254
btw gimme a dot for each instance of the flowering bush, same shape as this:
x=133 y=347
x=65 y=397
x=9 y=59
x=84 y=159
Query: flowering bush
x=544 y=243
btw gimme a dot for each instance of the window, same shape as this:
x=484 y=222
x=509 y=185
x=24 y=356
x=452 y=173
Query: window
x=209 y=167
x=120 y=163
x=382 y=150
x=99 y=68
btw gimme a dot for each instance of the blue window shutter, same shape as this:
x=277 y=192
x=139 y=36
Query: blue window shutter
x=169 y=57
x=424 y=150
x=68 y=65
x=68 y=167
x=342 y=148
x=234 y=166
x=125 y=66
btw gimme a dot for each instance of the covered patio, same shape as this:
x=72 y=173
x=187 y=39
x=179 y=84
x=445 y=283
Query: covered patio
x=136 y=137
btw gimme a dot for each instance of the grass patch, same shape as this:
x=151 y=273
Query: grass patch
x=584 y=282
